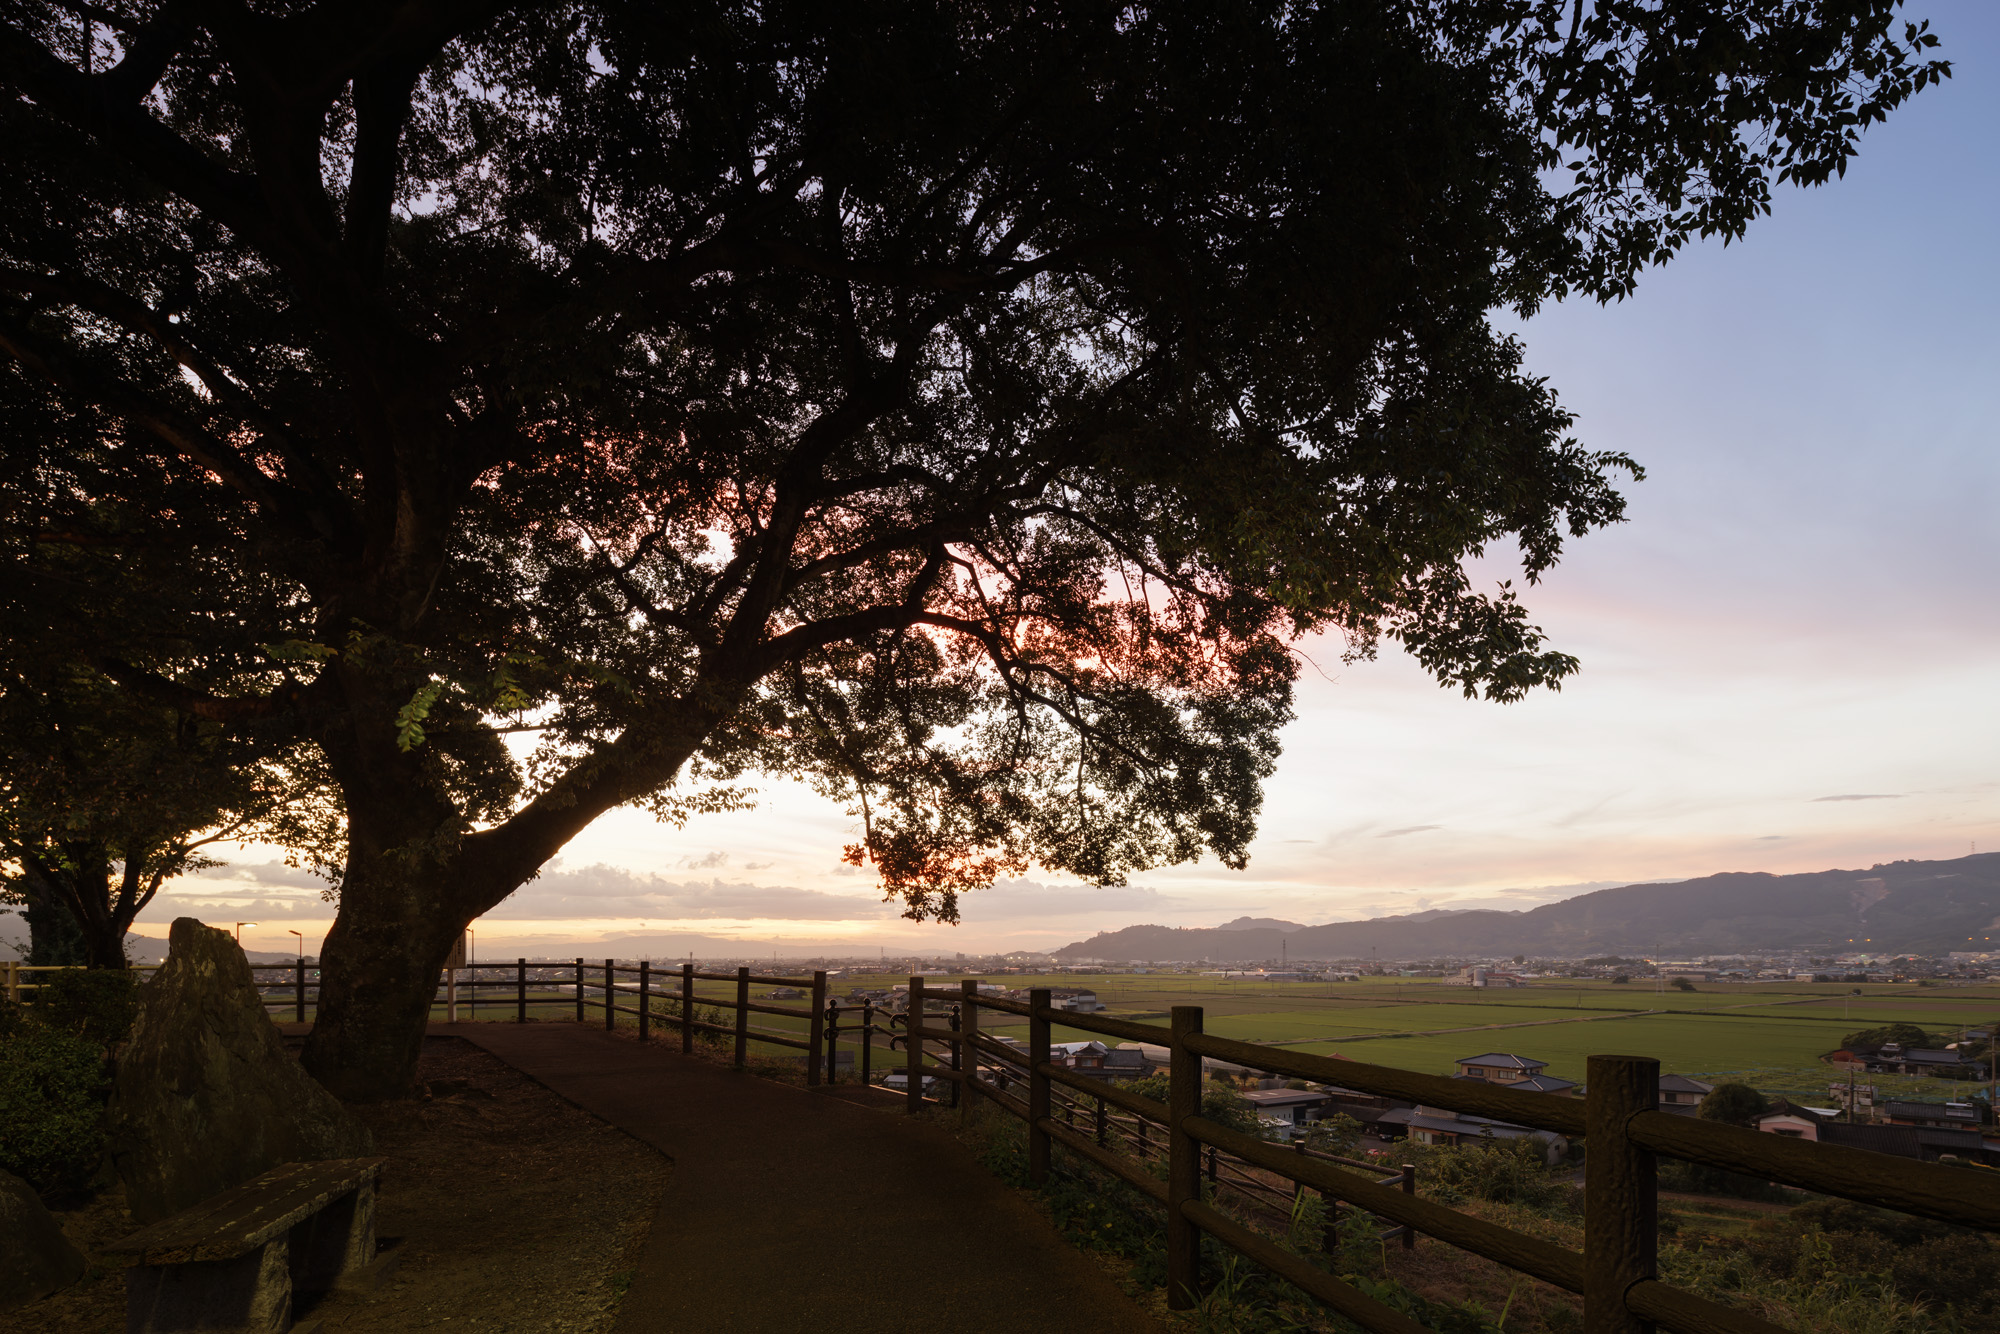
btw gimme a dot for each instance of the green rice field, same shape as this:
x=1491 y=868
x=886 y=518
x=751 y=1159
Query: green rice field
x=1771 y=1035
x=1719 y=1030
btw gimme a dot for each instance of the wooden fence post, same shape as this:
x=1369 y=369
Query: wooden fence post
x=955 y=1022
x=742 y=1017
x=1183 y=1163
x=816 y=1034
x=687 y=1009
x=451 y=995
x=610 y=996
x=867 y=1043
x=520 y=991
x=968 y=1041
x=579 y=989
x=832 y=1043
x=1038 y=1085
x=645 y=999
x=913 y=1048
x=301 y=966
x=1409 y=1188
x=1329 y=1229
x=1620 y=1192
x=13 y=981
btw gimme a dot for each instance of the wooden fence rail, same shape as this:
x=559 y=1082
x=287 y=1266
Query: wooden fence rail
x=1616 y=1272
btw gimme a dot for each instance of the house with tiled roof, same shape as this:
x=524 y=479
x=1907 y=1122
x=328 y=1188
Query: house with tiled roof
x=1499 y=1067
x=1936 y=1115
x=1438 y=1125
x=1681 y=1095
x=1546 y=1084
x=1919 y=1142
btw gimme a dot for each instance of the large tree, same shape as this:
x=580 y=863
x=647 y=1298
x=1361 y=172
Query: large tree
x=962 y=404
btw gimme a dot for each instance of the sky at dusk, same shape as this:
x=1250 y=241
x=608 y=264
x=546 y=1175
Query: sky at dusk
x=1790 y=652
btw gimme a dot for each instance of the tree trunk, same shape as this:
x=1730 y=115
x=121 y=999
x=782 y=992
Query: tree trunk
x=54 y=937
x=379 y=967
x=71 y=915
x=415 y=878
x=108 y=910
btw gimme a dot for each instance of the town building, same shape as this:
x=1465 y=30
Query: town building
x=1793 y=1121
x=1681 y=1095
x=1935 y=1115
x=1293 y=1107
x=1437 y=1125
x=1499 y=1067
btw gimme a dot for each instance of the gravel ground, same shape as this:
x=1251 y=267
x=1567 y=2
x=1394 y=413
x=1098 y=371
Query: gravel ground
x=510 y=1210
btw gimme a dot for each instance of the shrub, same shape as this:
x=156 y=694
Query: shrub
x=1219 y=1103
x=668 y=1010
x=1733 y=1104
x=1504 y=1171
x=1337 y=1134
x=1700 y=1179
x=1908 y=1035
x=1935 y=1263
x=52 y=1090
x=94 y=1003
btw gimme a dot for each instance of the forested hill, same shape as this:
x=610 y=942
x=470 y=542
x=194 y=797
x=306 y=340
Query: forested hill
x=1916 y=906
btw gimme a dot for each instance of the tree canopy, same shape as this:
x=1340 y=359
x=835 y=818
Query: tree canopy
x=964 y=405
x=1736 y=1104
x=104 y=797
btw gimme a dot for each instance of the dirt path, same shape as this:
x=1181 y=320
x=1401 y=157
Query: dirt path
x=511 y=1211
x=791 y=1209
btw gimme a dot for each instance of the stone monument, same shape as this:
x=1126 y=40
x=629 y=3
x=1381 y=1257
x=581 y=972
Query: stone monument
x=206 y=1095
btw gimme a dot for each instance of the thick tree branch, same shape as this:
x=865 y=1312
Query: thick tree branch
x=381 y=109
x=182 y=434
x=284 y=701
x=795 y=644
x=957 y=528
x=108 y=110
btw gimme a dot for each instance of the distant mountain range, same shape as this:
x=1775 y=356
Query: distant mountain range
x=1908 y=906
x=1261 y=924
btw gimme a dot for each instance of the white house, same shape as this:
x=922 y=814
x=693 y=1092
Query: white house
x=1792 y=1121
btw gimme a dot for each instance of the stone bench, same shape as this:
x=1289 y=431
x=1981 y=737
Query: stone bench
x=233 y=1261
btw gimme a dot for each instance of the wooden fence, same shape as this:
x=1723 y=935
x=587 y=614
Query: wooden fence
x=1616 y=1273
x=1129 y=1135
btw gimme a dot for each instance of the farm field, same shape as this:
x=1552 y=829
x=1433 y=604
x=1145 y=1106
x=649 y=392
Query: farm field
x=1780 y=1028
x=1768 y=1035
x=1808 y=1084
x=1868 y=1011
x=1683 y=1044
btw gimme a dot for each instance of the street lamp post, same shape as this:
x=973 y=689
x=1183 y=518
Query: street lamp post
x=239 y=931
x=299 y=979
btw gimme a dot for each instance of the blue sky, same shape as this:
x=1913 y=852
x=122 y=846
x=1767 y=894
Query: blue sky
x=1790 y=652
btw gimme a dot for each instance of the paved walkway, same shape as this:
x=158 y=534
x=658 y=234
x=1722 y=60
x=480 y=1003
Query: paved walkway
x=791 y=1209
